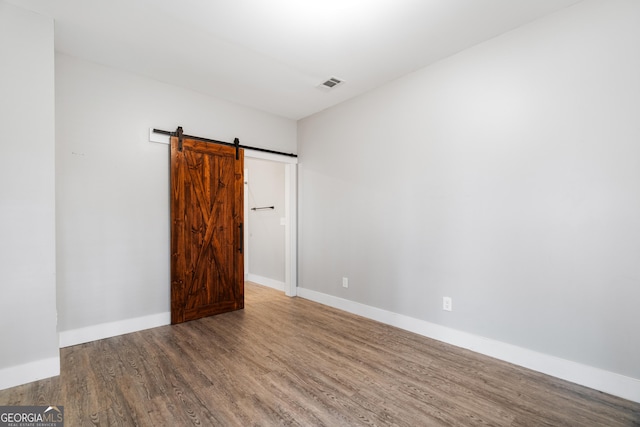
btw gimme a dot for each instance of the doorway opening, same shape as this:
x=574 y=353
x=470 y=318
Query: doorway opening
x=270 y=220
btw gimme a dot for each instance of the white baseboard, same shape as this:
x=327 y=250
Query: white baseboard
x=29 y=372
x=265 y=281
x=112 y=329
x=598 y=379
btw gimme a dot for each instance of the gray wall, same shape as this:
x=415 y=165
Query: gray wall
x=27 y=200
x=506 y=177
x=113 y=184
x=266 y=235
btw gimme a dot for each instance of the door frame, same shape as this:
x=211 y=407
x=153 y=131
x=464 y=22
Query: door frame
x=291 y=219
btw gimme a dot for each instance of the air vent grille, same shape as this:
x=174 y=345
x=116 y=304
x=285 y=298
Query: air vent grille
x=330 y=83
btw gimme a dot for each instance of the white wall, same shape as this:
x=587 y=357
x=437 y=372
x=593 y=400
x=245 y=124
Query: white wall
x=113 y=188
x=506 y=177
x=266 y=234
x=28 y=335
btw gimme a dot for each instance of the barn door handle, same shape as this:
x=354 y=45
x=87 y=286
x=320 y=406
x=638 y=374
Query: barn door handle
x=241 y=248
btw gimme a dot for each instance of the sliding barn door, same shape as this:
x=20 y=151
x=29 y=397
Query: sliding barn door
x=207 y=274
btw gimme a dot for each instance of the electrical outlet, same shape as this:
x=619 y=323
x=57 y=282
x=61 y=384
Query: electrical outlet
x=345 y=282
x=447 y=303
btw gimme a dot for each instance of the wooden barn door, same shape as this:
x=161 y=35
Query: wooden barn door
x=207 y=274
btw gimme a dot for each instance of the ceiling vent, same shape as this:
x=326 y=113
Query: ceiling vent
x=331 y=83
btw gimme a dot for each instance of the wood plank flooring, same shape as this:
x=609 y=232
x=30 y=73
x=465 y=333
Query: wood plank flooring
x=284 y=361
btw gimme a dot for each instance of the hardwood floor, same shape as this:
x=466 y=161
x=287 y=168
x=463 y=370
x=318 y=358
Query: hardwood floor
x=284 y=361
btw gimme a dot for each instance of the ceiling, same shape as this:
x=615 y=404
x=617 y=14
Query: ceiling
x=272 y=55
